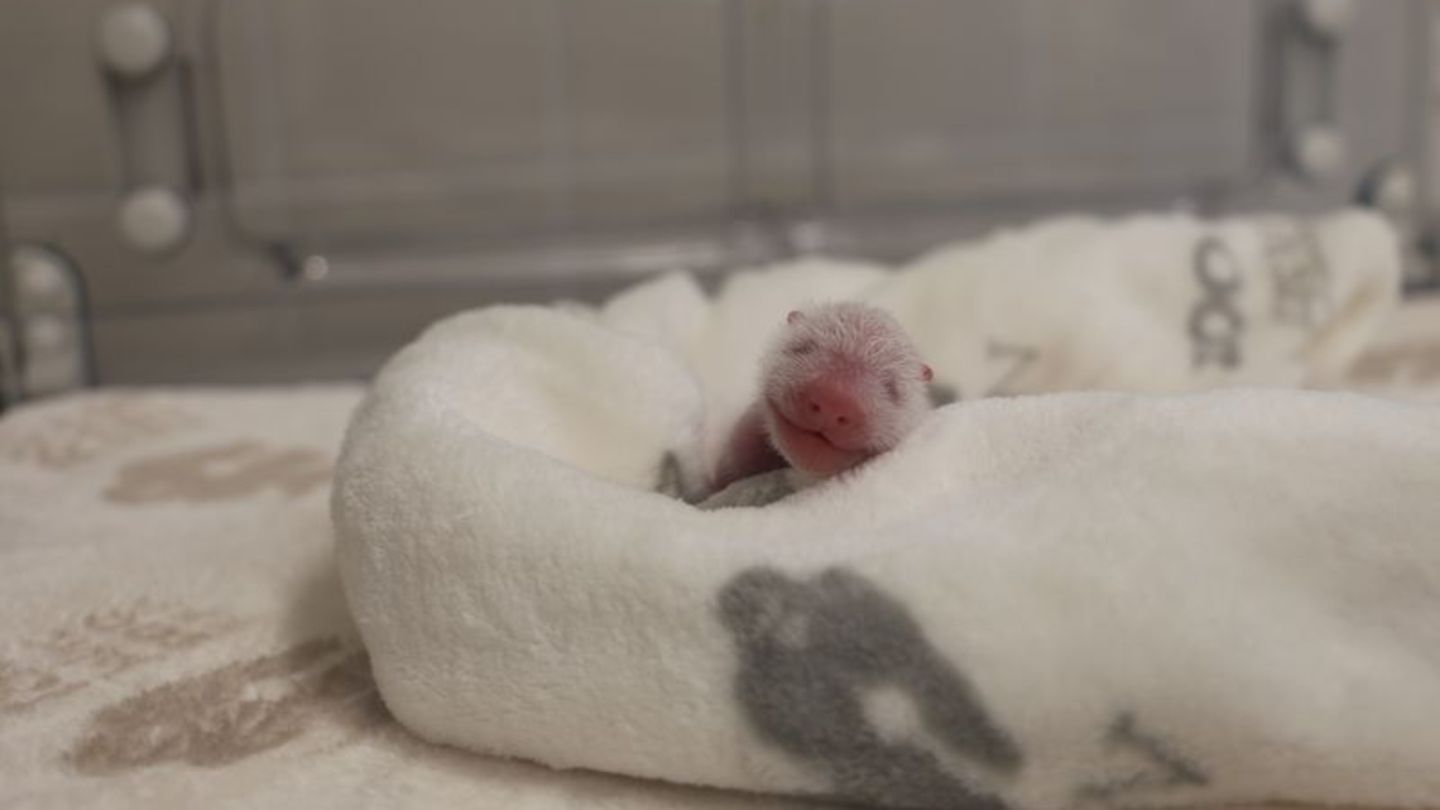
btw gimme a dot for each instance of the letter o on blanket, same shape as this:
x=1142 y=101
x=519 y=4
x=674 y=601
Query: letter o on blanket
x=1035 y=602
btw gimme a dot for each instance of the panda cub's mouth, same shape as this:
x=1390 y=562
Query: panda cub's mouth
x=809 y=449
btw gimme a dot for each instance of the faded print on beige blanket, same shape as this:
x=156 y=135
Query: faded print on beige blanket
x=98 y=426
x=123 y=685
x=100 y=644
x=234 y=711
x=83 y=429
x=224 y=471
x=220 y=715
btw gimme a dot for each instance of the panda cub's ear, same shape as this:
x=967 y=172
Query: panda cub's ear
x=926 y=375
x=794 y=316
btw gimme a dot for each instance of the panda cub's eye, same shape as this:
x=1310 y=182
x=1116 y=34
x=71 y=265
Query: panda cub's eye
x=892 y=390
x=799 y=348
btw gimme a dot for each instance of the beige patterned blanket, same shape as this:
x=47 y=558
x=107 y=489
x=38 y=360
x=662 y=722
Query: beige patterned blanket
x=173 y=632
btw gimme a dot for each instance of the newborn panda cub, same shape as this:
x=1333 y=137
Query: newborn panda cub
x=840 y=383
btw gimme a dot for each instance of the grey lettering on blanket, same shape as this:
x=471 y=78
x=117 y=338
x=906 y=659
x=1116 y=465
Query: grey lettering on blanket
x=1020 y=359
x=1015 y=359
x=810 y=652
x=1298 y=271
x=1216 y=324
x=1174 y=771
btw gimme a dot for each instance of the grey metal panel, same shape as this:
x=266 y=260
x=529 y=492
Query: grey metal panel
x=55 y=130
x=778 y=88
x=391 y=120
x=931 y=100
x=437 y=154
x=360 y=115
x=1379 y=107
x=296 y=337
x=649 y=82
x=211 y=266
x=1381 y=94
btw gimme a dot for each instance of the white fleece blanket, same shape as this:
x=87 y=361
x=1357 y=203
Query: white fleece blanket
x=1035 y=602
x=1157 y=303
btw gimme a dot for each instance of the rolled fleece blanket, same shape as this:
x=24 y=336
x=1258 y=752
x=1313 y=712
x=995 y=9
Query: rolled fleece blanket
x=1156 y=303
x=1083 y=599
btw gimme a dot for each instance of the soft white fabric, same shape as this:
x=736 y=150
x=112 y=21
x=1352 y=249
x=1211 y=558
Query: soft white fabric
x=1034 y=601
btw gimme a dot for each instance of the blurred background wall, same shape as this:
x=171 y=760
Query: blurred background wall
x=263 y=190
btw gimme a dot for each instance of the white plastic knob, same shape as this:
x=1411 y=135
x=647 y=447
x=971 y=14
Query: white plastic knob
x=41 y=277
x=1319 y=151
x=1395 y=190
x=134 y=39
x=315 y=268
x=1327 y=17
x=154 y=219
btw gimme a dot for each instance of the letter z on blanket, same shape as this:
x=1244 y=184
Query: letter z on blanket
x=1084 y=599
